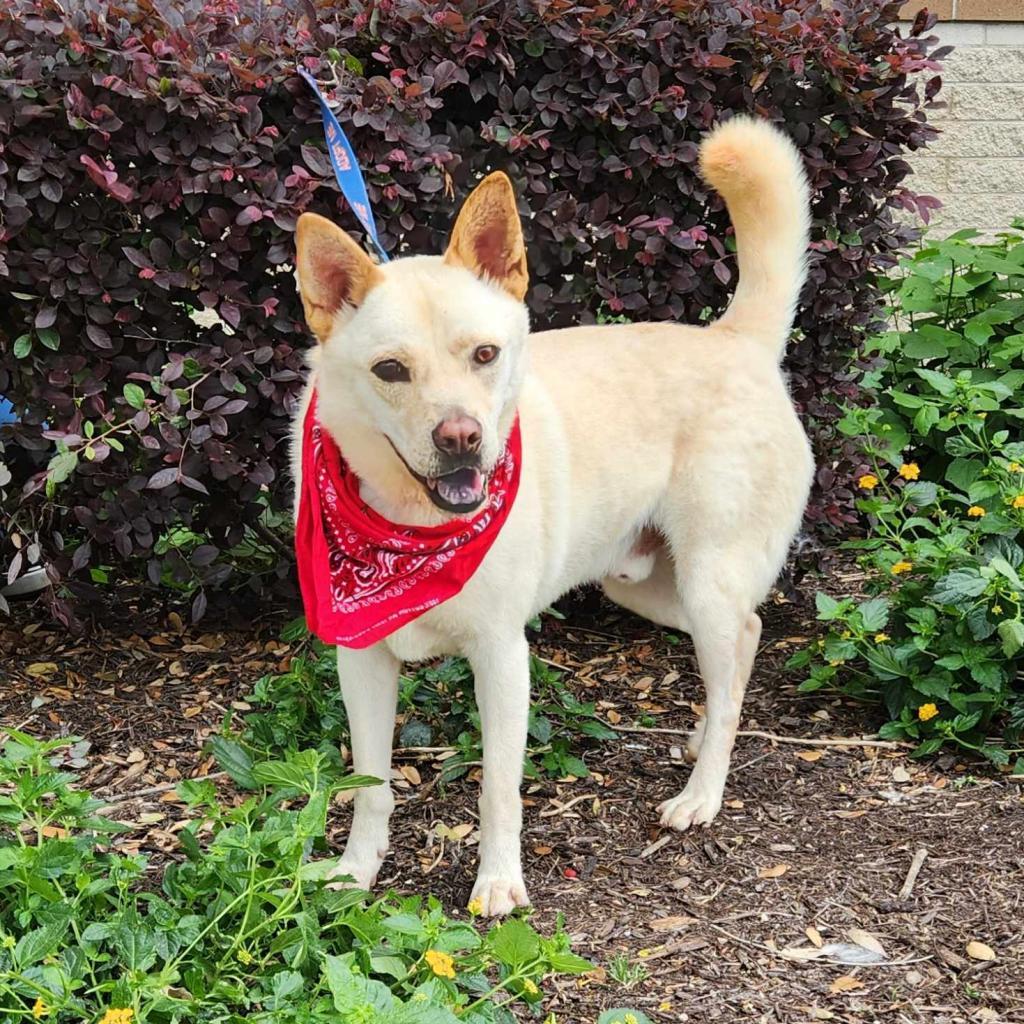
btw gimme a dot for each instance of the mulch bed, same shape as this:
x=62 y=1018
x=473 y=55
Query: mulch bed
x=814 y=841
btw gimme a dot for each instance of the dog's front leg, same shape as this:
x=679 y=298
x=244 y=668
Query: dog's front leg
x=501 y=669
x=369 y=688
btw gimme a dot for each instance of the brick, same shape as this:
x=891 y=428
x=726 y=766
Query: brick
x=1003 y=33
x=956 y=33
x=969 y=177
x=989 y=10
x=991 y=212
x=978 y=139
x=931 y=175
x=986 y=102
x=985 y=64
x=943 y=8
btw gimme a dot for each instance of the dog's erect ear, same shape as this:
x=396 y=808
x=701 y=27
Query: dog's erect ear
x=488 y=237
x=333 y=271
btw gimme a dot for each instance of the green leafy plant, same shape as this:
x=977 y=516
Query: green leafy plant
x=302 y=707
x=241 y=925
x=940 y=637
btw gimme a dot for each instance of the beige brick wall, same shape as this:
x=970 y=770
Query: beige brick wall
x=976 y=167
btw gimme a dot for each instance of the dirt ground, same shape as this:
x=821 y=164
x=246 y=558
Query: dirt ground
x=754 y=919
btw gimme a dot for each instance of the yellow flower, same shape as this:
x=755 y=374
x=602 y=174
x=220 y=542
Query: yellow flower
x=927 y=711
x=1018 y=502
x=39 y=1009
x=976 y=510
x=244 y=956
x=981 y=415
x=880 y=638
x=440 y=963
x=530 y=988
x=910 y=471
x=665 y=1006
x=476 y=907
x=1015 y=467
x=123 y=1016
x=997 y=609
x=867 y=482
x=629 y=1018
x=898 y=567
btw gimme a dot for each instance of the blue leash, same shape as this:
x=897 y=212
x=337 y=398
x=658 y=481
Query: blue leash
x=346 y=167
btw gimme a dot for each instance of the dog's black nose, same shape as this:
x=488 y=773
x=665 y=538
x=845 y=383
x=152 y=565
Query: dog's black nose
x=459 y=435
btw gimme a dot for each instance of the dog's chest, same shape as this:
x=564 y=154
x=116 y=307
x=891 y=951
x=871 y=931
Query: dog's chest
x=420 y=640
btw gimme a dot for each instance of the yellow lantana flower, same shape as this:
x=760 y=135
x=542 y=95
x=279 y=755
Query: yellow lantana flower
x=880 y=638
x=440 y=963
x=927 y=711
x=39 y=1009
x=1015 y=467
x=122 y=1016
x=867 y=482
x=1018 y=502
x=476 y=907
x=910 y=471
x=898 y=567
x=530 y=988
x=976 y=511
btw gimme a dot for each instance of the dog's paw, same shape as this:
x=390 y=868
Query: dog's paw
x=497 y=896
x=361 y=874
x=694 y=806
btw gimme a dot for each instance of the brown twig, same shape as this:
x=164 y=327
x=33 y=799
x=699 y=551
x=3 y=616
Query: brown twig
x=799 y=741
x=915 y=870
x=151 y=790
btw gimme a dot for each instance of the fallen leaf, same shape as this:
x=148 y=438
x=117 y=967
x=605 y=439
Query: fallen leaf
x=40 y=669
x=845 y=984
x=815 y=936
x=671 y=924
x=865 y=939
x=55 y=832
x=410 y=772
x=773 y=872
x=810 y=755
x=979 y=951
x=542 y=851
x=900 y=774
x=735 y=805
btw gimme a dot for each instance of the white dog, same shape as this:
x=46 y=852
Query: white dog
x=666 y=462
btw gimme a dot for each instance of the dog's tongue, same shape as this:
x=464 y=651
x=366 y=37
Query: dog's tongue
x=463 y=487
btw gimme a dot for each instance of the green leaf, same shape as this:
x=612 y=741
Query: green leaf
x=514 y=943
x=623 y=1016
x=959 y=586
x=828 y=607
x=283 y=985
x=353 y=993
x=49 y=337
x=235 y=761
x=569 y=963
x=1011 y=633
x=874 y=614
x=280 y=773
x=62 y=465
x=22 y=346
x=134 y=396
x=136 y=945
x=944 y=385
x=39 y=943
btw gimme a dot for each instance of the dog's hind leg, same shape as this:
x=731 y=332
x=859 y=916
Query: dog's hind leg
x=725 y=639
x=369 y=689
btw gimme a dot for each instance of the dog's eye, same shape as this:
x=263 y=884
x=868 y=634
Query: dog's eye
x=486 y=354
x=392 y=371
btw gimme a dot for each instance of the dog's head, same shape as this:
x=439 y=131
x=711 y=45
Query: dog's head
x=420 y=360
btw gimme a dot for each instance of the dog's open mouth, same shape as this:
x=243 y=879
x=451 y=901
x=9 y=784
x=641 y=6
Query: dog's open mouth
x=460 y=491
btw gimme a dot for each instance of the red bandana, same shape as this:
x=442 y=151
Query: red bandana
x=363 y=577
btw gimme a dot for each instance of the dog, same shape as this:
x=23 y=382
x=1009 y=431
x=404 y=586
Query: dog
x=665 y=462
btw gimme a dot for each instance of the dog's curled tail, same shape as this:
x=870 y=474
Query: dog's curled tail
x=760 y=175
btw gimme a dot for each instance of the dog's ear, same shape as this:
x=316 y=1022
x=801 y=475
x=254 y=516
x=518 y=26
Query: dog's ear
x=488 y=237
x=333 y=272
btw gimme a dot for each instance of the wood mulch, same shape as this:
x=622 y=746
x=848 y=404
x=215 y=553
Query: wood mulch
x=762 y=917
